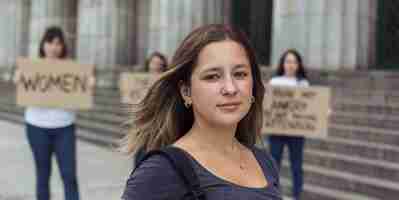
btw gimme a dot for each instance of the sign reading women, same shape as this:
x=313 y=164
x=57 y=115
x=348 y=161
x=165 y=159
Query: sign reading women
x=54 y=83
x=296 y=111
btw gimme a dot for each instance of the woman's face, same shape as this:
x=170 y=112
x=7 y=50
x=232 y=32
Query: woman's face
x=156 y=65
x=221 y=84
x=290 y=65
x=53 y=49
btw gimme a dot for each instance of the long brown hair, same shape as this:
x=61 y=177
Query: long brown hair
x=161 y=118
x=300 y=73
x=160 y=56
x=50 y=34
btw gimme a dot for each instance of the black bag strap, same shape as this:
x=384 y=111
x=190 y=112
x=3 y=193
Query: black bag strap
x=182 y=165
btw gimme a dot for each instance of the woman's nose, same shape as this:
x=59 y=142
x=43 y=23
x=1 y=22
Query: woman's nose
x=229 y=87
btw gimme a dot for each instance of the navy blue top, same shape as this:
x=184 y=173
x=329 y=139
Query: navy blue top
x=156 y=179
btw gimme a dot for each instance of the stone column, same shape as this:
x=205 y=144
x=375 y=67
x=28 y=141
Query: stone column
x=143 y=30
x=106 y=32
x=14 y=20
x=45 y=13
x=171 y=20
x=329 y=34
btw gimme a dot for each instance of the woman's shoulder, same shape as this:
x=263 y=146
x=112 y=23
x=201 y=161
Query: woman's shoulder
x=155 y=166
x=154 y=178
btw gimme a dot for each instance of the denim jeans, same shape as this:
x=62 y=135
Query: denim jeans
x=62 y=142
x=295 y=147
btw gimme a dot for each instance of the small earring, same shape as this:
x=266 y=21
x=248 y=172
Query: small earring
x=252 y=100
x=187 y=103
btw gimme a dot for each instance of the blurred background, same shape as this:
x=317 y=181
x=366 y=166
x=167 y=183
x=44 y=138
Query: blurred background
x=349 y=45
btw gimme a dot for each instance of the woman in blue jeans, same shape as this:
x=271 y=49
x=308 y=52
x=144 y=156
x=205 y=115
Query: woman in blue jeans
x=52 y=131
x=290 y=72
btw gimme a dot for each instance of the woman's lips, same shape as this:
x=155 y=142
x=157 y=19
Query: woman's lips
x=231 y=106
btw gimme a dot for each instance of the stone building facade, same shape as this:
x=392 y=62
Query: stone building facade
x=331 y=35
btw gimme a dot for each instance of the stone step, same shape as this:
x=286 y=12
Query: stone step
x=365 y=120
x=98 y=101
x=12 y=117
x=347 y=90
x=98 y=134
x=114 y=110
x=107 y=100
x=367 y=97
x=96 y=127
x=362 y=83
x=356 y=107
x=346 y=182
x=315 y=192
x=106 y=91
x=359 y=166
x=119 y=110
x=96 y=112
x=367 y=115
x=355 y=165
x=86 y=122
x=11 y=109
x=359 y=149
x=365 y=134
x=106 y=118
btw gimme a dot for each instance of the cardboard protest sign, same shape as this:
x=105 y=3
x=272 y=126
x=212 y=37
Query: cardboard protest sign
x=296 y=111
x=54 y=83
x=133 y=86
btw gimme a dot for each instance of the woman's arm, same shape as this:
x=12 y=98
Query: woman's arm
x=154 y=179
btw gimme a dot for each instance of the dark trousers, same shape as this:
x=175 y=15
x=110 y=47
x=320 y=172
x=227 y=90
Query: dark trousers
x=295 y=147
x=61 y=141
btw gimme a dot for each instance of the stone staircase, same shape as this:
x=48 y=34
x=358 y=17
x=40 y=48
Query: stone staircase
x=358 y=161
x=360 y=158
x=100 y=125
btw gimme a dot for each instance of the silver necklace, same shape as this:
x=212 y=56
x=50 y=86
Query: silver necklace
x=242 y=167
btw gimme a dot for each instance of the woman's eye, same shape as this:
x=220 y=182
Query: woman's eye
x=212 y=77
x=241 y=74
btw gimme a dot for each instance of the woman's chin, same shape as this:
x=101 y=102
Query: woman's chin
x=228 y=120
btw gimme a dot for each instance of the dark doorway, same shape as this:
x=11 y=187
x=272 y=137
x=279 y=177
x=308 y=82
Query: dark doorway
x=388 y=34
x=255 y=18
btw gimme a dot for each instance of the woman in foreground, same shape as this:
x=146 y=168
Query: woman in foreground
x=209 y=105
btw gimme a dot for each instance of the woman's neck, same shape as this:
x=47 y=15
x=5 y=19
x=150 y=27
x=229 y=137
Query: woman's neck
x=208 y=137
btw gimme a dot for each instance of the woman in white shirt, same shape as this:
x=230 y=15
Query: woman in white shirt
x=290 y=72
x=51 y=130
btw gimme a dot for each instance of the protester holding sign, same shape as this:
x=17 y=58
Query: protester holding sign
x=155 y=64
x=205 y=115
x=290 y=72
x=51 y=130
